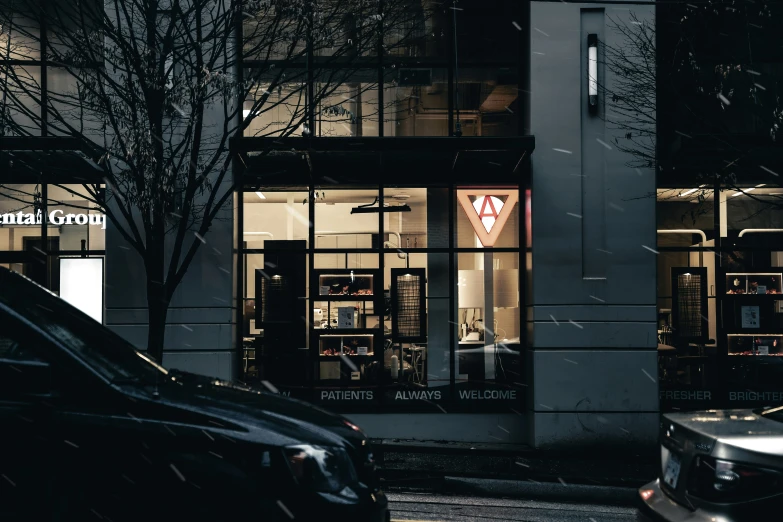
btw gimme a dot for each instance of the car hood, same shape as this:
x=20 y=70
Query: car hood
x=737 y=435
x=722 y=424
x=268 y=417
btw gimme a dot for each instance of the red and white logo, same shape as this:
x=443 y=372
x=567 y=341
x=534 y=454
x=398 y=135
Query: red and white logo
x=488 y=210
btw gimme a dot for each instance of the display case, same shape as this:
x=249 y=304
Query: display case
x=768 y=283
x=341 y=315
x=748 y=345
x=351 y=345
x=346 y=283
x=345 y=358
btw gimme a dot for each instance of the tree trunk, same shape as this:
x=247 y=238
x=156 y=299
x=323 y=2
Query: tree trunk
x=157 y=304
x=158 y=310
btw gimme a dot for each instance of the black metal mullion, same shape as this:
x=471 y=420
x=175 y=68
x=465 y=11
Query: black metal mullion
x=452 y=300
x=380 y=300
x=450 y=72
x=720 y=293
x=310 y=73
x=381 y=110
x=240 y=268
x=44 y=65
x=313 y=291
x=45 y=234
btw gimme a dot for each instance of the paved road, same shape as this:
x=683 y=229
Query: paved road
x=437 y=508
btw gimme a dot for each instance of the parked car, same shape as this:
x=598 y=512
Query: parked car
x=718 y=466
x=92 y=429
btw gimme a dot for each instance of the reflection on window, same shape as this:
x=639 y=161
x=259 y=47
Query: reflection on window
x=348 y=109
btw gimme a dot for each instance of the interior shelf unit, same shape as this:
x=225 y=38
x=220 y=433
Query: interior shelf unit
x=753 y=316
x=342 y=300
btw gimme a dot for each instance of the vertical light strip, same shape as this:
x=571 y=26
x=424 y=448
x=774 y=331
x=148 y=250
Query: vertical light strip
x=592 y=71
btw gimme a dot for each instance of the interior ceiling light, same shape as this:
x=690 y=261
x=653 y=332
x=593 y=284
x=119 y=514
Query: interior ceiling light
x=691 y=191
x=370 y=208
x=745 y=191
x=260 y=195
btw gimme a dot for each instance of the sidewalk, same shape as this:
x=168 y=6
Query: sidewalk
x=511 y=470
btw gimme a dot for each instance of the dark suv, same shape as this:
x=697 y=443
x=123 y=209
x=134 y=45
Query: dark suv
x=92 y=429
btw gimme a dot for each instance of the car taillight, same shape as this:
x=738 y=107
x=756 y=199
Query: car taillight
x=725 y=482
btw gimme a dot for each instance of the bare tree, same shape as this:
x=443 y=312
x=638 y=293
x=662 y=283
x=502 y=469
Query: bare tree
x=719 y=94
x=154 y=90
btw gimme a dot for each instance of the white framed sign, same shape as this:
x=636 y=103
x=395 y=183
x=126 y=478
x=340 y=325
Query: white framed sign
x=750 y=317
x=81 y=284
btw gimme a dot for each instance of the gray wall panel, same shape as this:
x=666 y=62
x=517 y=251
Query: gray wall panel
x=597 y=381
x=594 y=335
x=597 y=313
x=618 y=432
x=592 y=212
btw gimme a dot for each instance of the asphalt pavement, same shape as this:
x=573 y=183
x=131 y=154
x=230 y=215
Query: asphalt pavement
x=431 y=507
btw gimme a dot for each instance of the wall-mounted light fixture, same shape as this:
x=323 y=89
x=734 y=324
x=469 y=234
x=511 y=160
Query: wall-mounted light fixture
x=592 y=71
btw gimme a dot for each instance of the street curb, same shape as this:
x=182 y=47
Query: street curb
x=558 y=491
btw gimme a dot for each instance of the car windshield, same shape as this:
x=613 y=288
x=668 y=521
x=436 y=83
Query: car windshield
x=103 y=350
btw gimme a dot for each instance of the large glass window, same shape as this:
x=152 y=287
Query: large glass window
x=381 y=327
x=19 y=205
x=344 y=219
x=687 y=271
x=275 y=299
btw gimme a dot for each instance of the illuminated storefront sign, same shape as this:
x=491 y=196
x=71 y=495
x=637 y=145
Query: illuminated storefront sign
x=56 y=217
x=488 y=213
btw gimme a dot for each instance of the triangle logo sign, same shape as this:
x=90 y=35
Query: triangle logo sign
x=487 y=212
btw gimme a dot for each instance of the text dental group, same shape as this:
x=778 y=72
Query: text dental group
x=56 y=217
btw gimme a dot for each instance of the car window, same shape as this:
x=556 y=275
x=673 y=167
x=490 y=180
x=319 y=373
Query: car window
x=22 y=370
x=96 y=345
x=13 y=350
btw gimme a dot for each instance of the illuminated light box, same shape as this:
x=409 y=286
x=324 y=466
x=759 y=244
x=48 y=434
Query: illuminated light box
x=81 y=284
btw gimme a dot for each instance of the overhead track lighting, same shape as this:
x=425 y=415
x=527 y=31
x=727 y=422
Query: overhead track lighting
x=371 y=209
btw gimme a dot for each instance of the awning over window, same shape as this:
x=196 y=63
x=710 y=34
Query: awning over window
x=46 y=160
x=373 y=160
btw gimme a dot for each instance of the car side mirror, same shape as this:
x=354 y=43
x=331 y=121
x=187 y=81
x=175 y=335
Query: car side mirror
x=25 y=379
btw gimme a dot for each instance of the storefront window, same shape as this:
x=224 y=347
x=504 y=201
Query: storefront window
x=275 y=297
x=377 y=308
x=345 y=220
x=77 y=235
x=720 y=321
x=687 y=268
x=408 y=229
x=751 y=308
x=489 y=325
x=19 y=235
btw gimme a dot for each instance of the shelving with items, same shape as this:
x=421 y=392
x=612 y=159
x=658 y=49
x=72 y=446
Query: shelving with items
x=748 y=283
x=350 y=345
x=750 y=345
x=327 y=314
x=350 y=283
